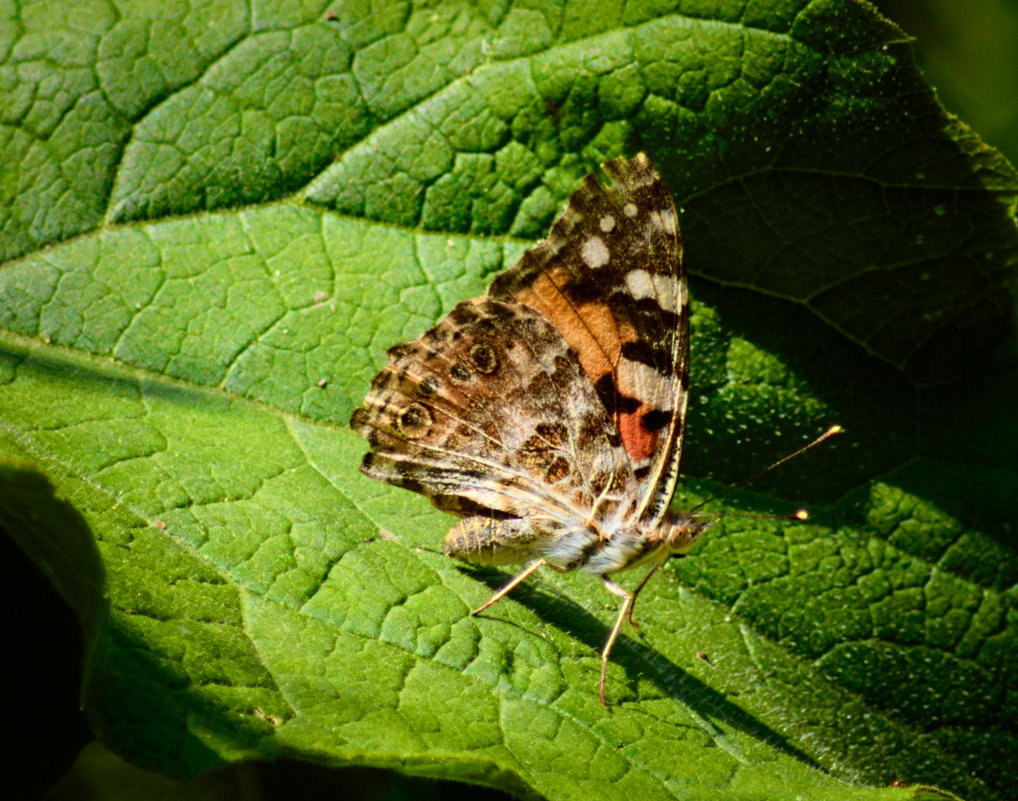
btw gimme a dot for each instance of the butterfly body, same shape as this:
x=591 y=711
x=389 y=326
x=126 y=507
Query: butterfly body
x=550 y=414
x=491 y=541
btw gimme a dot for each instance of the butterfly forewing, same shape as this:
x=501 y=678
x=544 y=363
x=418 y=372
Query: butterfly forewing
x=610 y=277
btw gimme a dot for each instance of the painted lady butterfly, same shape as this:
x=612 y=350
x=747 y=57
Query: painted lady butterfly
x=550 y=413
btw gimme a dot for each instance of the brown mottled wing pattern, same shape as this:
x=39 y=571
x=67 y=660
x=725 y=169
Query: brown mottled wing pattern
x=611 y=279
x=490 y=413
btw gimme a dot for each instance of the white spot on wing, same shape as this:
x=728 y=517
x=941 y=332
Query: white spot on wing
x=665 y=220
x=630 y=209
x=643 y=382
x=642 y=284
x=594 y=252
x=607 y=223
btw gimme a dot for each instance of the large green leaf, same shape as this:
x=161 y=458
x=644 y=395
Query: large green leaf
x=216 y=220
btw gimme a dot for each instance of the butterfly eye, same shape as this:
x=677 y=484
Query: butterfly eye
x=684 y=535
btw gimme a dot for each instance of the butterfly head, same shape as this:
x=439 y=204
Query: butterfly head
x=684 y=531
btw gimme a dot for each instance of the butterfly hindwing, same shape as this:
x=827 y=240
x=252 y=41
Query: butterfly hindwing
x=489 y=412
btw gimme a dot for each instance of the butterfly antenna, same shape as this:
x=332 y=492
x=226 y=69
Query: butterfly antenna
x=802 y=514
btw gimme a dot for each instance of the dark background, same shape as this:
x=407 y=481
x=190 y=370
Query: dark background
x=969 y=52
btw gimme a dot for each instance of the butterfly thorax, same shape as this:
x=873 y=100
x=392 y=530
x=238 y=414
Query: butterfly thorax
x=626 y=548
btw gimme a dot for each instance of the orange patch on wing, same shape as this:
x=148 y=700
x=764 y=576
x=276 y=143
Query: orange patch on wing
x=590 y=328
x=640 y=443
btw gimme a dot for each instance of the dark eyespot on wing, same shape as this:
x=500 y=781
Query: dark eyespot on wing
x=484 y=359
x=414 y=421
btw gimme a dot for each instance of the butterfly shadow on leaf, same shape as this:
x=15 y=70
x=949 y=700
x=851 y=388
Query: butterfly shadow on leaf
x=714 y=710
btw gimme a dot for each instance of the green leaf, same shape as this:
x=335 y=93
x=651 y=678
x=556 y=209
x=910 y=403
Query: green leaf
x=216 y=220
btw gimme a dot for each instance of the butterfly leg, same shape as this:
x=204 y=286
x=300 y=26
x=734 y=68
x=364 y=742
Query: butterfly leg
x=515 y=581
x=639 y=587
x=626 y=610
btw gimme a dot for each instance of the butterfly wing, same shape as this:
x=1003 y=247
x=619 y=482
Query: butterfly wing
x=490 y=413
x=611 y=279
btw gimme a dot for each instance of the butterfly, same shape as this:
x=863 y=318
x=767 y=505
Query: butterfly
x=550 y=414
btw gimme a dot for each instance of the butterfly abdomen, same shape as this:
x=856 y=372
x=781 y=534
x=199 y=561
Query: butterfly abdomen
x=482 y=540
